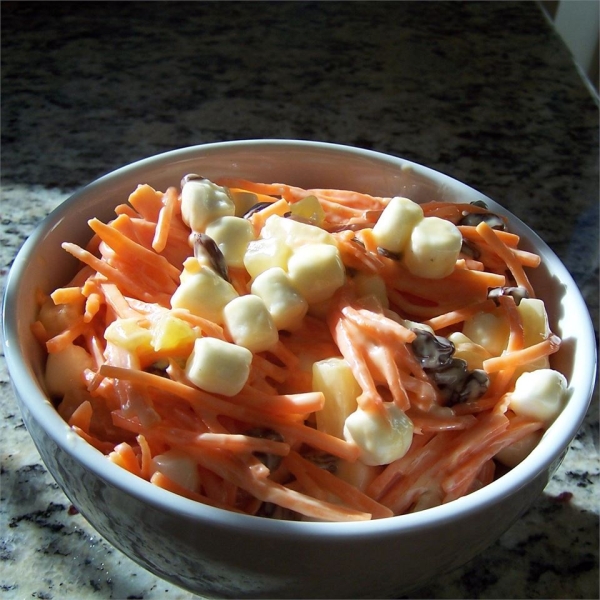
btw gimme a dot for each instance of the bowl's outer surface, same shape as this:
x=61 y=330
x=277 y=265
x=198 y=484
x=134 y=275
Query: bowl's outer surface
x=216 y=553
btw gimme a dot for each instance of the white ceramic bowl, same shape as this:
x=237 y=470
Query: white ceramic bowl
x=218 y=553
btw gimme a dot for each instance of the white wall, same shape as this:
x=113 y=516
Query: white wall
x=578 y=23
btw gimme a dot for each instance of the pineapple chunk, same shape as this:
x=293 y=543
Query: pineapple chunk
x=491 y=330
x=309 y=208
x=488 y=329
x=357 y=473
x=512 y=455
x=535 y=329
x=371 y=284
x=178 y=467
x=243 y=201
x=171 y=333
x=129 y=334
x=334 y=379
x=535 y=321
x=465 y=349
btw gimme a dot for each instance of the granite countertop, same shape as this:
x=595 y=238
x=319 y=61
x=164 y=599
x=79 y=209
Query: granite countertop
x=485 y=92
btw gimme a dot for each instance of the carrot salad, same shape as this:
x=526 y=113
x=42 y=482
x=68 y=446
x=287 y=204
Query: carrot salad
x=307 y=354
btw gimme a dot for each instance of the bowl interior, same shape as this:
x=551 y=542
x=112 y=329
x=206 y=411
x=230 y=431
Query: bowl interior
x=43 y=264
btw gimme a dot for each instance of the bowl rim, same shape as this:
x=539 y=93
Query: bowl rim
x=31 y=394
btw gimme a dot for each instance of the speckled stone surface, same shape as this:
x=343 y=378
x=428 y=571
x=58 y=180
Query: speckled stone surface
x=485 y=92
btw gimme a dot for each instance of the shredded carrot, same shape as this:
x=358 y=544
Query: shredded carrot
x=92 y=306
x=469 y=232
x=259 y=218
x=426 y=422
x=66 y=295
x=511 y=360
x=244 y=413
x=124 y=245
x=263 y=445
x=459 y=315
x=207 y=327
x=504 y=252
x=165 y=217
x=241 y=443
x=346 y=492
x=126 y=209
x=265 y=189
x=378 y=324
x=527 y=259
x=82 y=416
x=143 y=232
x=270 y=491
x=104 y=447
x=39 y=331
x=516 y=335
x=162 y=481
x=117 y=302
x=457 y=484
x=66 y=337
x=145 y=457
x=124 y=456
x=147 y=202
x=125 y=282
x=240 y=280
x=400 y=467
x=368 y=240
x=452 y=212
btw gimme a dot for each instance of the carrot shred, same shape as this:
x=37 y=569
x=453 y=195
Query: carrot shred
x=270 y=491
x=165 y=216
x=126 y=209
x=122 y=244
x=66 y=295
x=207 y=327
x=259 y=218
x=459 y=315
x=93 y=303
x=40 y=332
x=145 y=457
x=162 y=481
x=124 y=281
x=147 y=202
x=511 y=360
x=66 y=337
x=346 y=492
x=82 y=416
x=516 y=334
x=218 y=405
x=504 y=252
x=104 y=447
x=124 y=456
